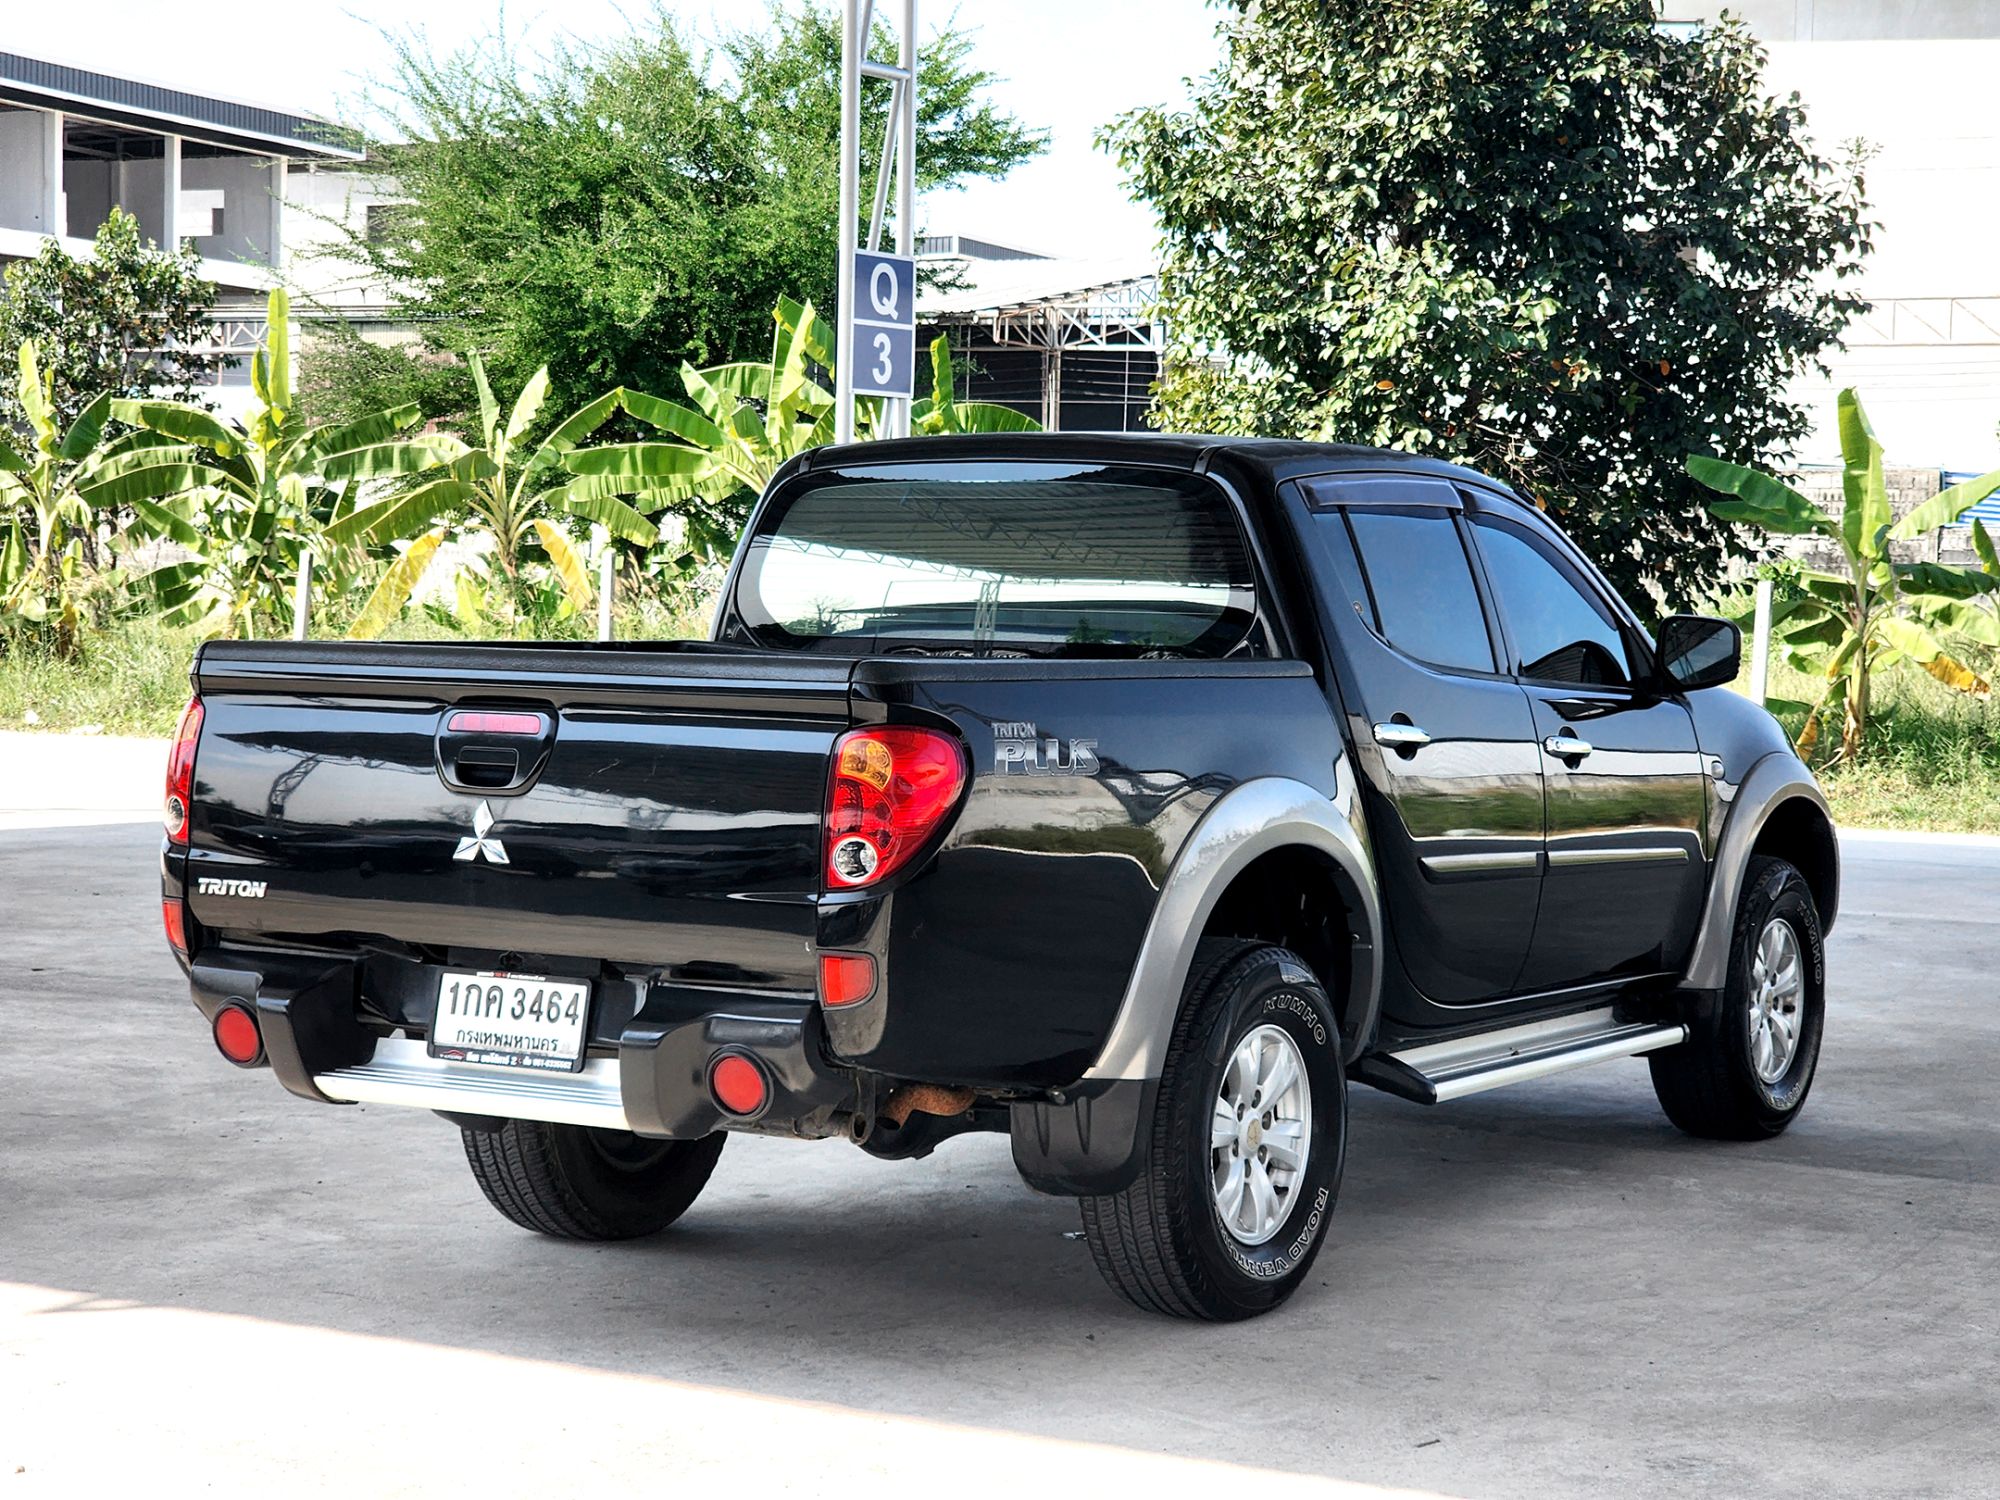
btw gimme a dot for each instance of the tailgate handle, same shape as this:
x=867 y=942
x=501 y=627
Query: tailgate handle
x=487 y=767
x=494 y=747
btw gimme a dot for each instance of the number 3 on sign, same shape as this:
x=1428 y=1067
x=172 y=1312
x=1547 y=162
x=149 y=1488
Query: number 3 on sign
x=884 y=366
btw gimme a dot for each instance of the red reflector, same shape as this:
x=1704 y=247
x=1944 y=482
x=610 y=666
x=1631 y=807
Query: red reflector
x=173 y=915
x=486 y=721
x=237 y=1037
x=890 y=790
x=738 y=1084
x=180 y=772
x=845 y=978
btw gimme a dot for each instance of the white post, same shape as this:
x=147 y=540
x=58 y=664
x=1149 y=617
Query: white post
x=276 y=222
x=170 y=172
x=607 y=565
x=853 y=44
x=1760 y=642
x=302 y=597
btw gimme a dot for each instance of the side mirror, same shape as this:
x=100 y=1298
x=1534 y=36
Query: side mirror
x=1699 y=651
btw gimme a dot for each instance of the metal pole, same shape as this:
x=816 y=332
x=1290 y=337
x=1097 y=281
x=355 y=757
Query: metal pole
x=852 y=44
x=885 y=167
x=1760 y=642
x=302 y=597
x=906 y=171
x=607 y=564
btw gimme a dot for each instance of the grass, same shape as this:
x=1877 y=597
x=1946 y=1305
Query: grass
x=132 y=680
x=1933 y=757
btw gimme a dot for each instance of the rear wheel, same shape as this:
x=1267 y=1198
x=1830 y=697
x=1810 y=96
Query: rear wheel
x=1247 y=1142
x=579 y=1183
x=1744 y=1074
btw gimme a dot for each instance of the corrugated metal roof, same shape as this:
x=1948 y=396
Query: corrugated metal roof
x=1987 y=510
x=38 y=83
x=996 y=285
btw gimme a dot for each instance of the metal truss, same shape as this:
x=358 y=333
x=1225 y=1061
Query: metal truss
x=1926 y=322
x=1116 y=315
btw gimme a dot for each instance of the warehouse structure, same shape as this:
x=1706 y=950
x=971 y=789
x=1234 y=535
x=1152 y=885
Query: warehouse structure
x=1070 y=341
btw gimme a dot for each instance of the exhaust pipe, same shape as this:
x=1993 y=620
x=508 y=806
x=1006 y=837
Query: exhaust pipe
x=927 y=1099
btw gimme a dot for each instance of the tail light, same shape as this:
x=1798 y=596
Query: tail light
x=173 y=916
x=237 y=1036
x=845 y=979
x=891 y=789
x=180 y=772
x=738 y=1084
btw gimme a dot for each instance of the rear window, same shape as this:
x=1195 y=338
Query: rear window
x=1001 y=559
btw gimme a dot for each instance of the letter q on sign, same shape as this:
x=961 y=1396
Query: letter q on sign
x=884 y=291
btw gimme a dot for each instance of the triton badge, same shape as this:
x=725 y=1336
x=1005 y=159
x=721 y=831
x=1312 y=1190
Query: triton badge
x=479 y=844
x=212 y=885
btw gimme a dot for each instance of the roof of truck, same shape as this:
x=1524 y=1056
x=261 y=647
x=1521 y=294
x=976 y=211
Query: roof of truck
x=1274 y=459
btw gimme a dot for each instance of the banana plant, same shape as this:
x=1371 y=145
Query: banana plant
x=942 y=412
x=45 y=518
x=1880 y=613
x=244 y=500
x=511 y=498
x=746 y=420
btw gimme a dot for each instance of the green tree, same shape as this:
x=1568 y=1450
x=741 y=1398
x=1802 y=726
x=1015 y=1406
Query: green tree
x=244 y=502
x=1845 y=629
x=45 y=519
x=618 y=211
x=1558 y=245
x=515 y=499
x=749 y=419
x=129 y=318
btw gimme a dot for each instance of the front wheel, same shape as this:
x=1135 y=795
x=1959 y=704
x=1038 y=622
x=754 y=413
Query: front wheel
x=1744 y=1073
x=578 y=1183
x=1247 y=1142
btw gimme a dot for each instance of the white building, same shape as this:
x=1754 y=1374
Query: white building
x=190 y=166
x=327 y=202
x=1914 y=80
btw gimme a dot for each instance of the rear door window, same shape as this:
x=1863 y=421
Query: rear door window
x=1004 y=559
x=1420 y=585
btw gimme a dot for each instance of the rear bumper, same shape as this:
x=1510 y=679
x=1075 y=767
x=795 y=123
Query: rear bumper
x=656 y=1085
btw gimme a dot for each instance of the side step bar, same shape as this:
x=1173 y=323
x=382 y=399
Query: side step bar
x=1471 y=1065
x=404 y=1072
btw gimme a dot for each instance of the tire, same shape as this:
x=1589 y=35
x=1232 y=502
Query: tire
x=1722 y=1083
x=577 y=1183
x=1162 y=1242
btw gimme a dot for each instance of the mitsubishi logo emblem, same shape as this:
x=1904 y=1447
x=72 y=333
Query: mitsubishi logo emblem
x=479 y=844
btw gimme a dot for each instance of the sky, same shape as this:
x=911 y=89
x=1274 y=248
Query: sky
x=1069 y=65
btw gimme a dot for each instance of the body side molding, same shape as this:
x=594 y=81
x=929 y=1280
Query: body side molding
x=1252 y=819
x=1775 y=779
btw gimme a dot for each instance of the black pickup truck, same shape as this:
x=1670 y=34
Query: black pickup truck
x=1130 y=796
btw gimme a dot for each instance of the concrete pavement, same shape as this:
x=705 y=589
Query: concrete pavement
x=1539 y=1292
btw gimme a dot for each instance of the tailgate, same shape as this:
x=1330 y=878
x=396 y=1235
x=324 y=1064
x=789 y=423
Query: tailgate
x=643 y=805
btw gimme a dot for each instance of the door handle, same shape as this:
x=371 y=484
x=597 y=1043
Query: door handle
x=1566 y=746
x=1400 y=736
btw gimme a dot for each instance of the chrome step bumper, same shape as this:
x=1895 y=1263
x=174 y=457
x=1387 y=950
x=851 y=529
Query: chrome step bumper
x=404 y=1072
x=1472 y=1065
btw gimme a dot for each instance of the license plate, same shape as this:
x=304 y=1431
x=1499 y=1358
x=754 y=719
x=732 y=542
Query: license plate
x=506 y=1020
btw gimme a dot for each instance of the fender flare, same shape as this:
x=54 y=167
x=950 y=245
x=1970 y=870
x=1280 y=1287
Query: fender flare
x=1252 y=819
x=1777 y=778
